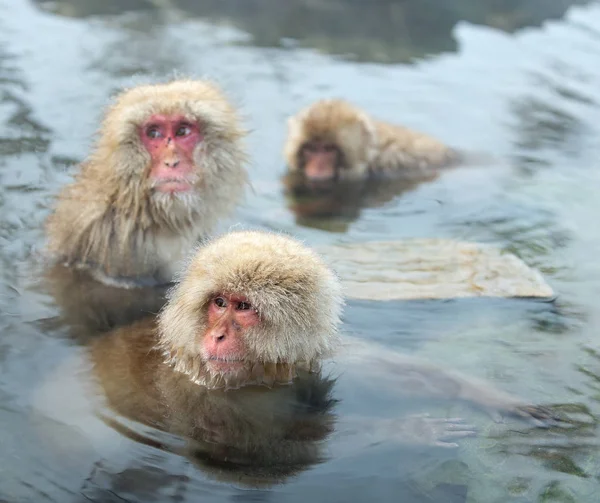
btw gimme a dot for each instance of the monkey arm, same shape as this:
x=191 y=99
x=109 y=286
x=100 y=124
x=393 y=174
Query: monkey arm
x=410 y=375
x=415 y=430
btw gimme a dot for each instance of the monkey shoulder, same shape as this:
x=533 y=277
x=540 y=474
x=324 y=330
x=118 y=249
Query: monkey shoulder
x=78 y=208
x=402 y=148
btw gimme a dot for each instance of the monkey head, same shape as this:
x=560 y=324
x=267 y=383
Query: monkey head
x=249 y=307
x=177 y=144
x=330 y=140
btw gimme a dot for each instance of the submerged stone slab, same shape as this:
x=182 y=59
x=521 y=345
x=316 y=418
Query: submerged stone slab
x=432 y=269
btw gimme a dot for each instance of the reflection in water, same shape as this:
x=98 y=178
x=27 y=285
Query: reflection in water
x=333 y=206
x=141 y=47
x=89 y=307
x=253 y=436
x=383 y=31
x=144 y=482
x=544 y=129
x=22 y=140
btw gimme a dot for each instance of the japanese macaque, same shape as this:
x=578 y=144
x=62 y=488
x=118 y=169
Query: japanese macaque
x=167 y=165
x=332 y=140
x=247 y=328
x=250 y=308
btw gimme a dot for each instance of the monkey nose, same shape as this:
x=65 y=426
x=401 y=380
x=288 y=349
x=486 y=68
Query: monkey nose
x=219 y=338
x=172 y=164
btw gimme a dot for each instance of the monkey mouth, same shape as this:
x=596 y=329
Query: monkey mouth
x=172 y=185
x=225 y=365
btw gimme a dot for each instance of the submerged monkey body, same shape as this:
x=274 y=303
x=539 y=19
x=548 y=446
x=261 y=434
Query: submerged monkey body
x=233 y=364
x=400 y=148
x=255 y=308
x=116 y=219
x=257 y=434
x=363 y=146
x=119 y=357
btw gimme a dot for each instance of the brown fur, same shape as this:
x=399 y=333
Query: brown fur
x=367 y=145
x=110 y=220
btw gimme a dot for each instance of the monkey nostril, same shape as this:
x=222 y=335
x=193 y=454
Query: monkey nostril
x=220 y=338
x=171 y=164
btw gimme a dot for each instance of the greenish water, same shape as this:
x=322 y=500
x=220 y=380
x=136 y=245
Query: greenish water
x=518 y=81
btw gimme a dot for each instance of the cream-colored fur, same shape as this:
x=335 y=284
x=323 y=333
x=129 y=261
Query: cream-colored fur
x=297 y=297
x=110 y=220
x=367 y=144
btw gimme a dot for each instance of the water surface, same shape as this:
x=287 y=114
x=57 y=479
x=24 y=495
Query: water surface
x=520 y=84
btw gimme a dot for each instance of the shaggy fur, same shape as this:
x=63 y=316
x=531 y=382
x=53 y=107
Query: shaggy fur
x=110 y=219
x=297 y=297
x=367 y=145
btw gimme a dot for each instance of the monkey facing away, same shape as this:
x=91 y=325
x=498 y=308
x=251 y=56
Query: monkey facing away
x=167 y=165
x=252 y=316
x=333 y=140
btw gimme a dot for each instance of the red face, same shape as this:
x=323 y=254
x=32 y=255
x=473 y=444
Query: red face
x=171 y=140
x=320 y=160
x=228 y=317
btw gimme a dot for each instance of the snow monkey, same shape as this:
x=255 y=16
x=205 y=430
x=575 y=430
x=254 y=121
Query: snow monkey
x=227 y=362
x=168 y=164
x=332 y=140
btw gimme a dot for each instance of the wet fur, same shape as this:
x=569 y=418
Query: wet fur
x=109 y=220
x=368 y=146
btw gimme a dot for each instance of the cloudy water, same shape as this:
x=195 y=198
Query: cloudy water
x=520 y=86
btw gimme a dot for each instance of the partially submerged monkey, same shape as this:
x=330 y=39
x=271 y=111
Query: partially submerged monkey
x=168 y=164
x=334 y=140
x=252 y=313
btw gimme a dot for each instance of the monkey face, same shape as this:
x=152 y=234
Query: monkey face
x=171 y=140
x=177 y=150
x=228 y=318
x=320 y=161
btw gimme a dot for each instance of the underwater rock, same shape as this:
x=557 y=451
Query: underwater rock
x=432 y=269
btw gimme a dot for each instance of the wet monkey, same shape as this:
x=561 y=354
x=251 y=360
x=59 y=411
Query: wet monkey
x=253 y=312
x=249 y=308
x=168 y=164
x=333 y=140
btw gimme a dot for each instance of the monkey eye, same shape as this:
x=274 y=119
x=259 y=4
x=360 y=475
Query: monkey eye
x=244 y=306
x=183 y=131
x=310 y=147
x=220 y=302
x=329 y=148
x=153 y=132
